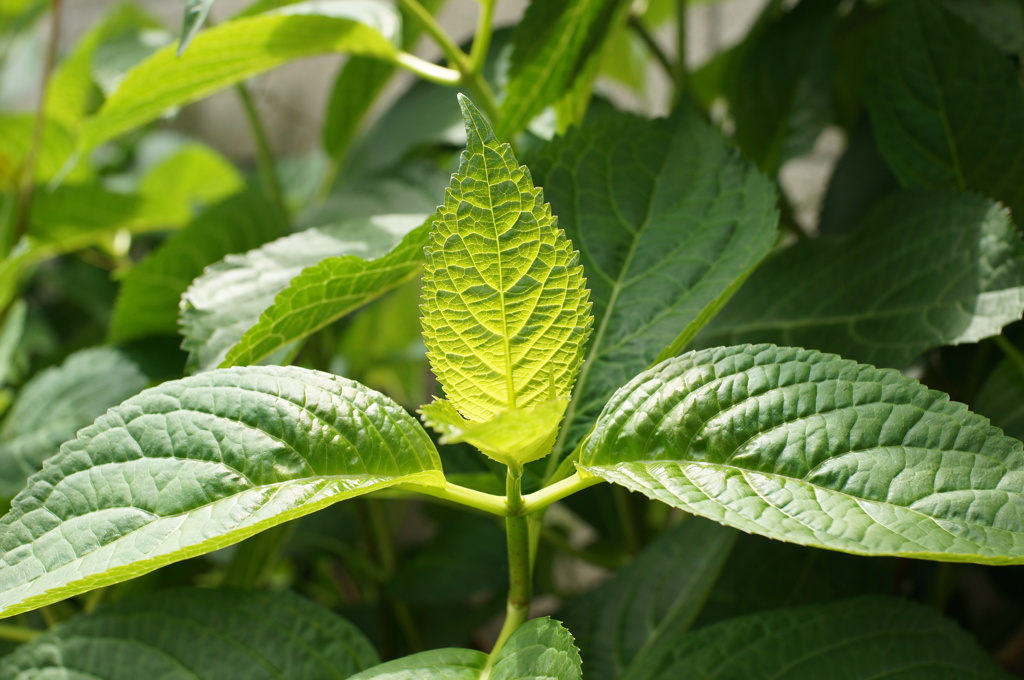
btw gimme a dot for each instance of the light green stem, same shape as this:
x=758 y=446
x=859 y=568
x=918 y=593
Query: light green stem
x=520 y=568
x=458 y=59
x=478 y=500
x=482 y=39
x=18 y=633
x=264 y=157
x=539 y=500
x=428 y=71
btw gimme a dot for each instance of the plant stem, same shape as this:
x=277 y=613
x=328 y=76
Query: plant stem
x=652 y=45
x=264 y=157
x=539 y=500
x=254 y=557
x=478 y=500
x=428 y=71
x=456 y=57
x=482 y=39
x=520 y=569
x=18 y=633
x=27 y=180
x=682 y=75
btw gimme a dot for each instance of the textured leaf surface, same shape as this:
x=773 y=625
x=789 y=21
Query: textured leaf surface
x=922 y=270
x=330 y=289
x=151 y=291
x=540 y=649
x=947 y=107
x=551 y=45
x=228 y=299
x=197 y=464
x=226 y=54
x=652 y=600
x=515 y=436
x=505 y=307
x=852 y=640
x=668 y=221
x=193 y=634
x=55 y=404
x=813 y=449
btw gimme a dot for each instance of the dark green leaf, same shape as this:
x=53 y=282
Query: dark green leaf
x=852 y=640
x=55 y=404
x=198 y=635
x=923 y=270
x=652 y=600
x=668 y=221
x=551 y=46
x=817 y=450
x=859 y=180
x=778 y=84
x=947 y=106
x=1001 y=397
x=197 y=464
x=999 y=21
x=150 y=293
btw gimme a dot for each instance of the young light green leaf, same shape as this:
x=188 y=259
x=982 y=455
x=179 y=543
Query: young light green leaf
x=943 y=121
x=922 y=270
x=539 y=649
x=150 y=292
x=516 y=436
x=814 y=449
x=653 y=600
x=55 y=404
x=197 y=464
x=861 y=638
x=227 y=300
x=74 y=216
x=505 y=306
x=235 y=50
x=57 y=145
x=193 y=175
x=328 y=290
x=669 y=221
x=196 y=12
x=200 y=635
x=551 y=45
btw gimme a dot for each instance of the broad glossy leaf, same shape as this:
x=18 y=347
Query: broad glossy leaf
x=55 y=404
x=235 y=50
x=814 y=449
x=330 y=289
x=779 y=84
x=228 y=299
x=197 y=464
x=505 y=305
x=947 y=107
x=668 y=221
x=198 y=635
x=151 y=291
x=852 y=640
x=922 y=270
x=551 y=45
x=654 y=599
x=540 y=649
x=516 y=436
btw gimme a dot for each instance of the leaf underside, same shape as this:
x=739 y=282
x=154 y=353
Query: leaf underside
x=505 y=307
x=810 y=448
x=198 y=635
x=197 y=464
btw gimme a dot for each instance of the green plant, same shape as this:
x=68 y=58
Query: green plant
x=634 y=334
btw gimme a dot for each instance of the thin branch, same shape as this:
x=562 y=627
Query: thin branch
x=264 y=157
x=642 y=32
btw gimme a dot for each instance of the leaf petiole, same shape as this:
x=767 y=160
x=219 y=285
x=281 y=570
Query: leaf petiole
x=478 y=500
